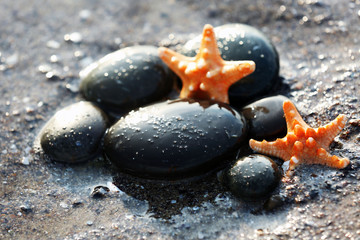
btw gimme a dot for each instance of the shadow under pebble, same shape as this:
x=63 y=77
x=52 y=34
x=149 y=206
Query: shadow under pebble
x=166 y=199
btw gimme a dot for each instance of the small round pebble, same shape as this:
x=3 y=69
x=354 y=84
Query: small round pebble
x=77 y=203
x=99 y=192
x=266 y=118
x=251 y=177
x=25 y=208
x=74 y=133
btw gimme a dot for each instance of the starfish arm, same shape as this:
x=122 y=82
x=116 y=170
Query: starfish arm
x=175 y=61
x=277 y=148
x=292 y=116
x=325 y=158
x=327 y=133
x=208 y=46
x=236 y=70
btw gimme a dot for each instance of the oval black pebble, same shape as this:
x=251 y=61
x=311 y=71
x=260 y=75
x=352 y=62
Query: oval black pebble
x=266 y=118
x=127 y=78
x=26 y=208
x=74 y=133
x=175 y=139
x=243 y=42
x=254 y=176
x=100 y=192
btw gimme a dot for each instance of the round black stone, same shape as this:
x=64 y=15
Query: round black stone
x=175 y=139
x=126 y=79
x=243 y=42
x=266 y=118
x=251 y=177
x=74 y=133
x=100 y=192
x=26 y=208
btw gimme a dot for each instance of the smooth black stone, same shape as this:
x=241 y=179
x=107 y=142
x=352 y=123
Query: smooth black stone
x=77 y=203
x=175 y=139
x=26 y=209
x=266 y=118
x=252 y=177
x=127 y=78
x=74 y=133
x=243 y=42
x=100 y=192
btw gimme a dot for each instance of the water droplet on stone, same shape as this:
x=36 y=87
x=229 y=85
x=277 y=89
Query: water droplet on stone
x=44 y=68
x=74 y=37
x=84 y=14
x=12 y=60
x=53 y=44
x=53 y=75
x=54 y=58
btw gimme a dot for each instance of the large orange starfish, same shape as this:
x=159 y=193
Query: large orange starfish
x=304 y=144
x=207 y=75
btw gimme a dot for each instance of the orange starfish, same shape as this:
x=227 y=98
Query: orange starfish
x=207 y=75
x=304 y=144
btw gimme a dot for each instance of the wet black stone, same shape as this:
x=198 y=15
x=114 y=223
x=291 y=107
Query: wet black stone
x=243 y=42
x=175 y=139
x=100 y=192
x=266 y=118
x=127 y=78
x=77 y=203
x=313 y=193
x=74 y=133
x=26 y=209
x=53 y=75
x=89 y=223
x=251 y=177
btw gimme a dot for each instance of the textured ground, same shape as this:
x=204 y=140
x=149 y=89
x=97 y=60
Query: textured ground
x=319 y=47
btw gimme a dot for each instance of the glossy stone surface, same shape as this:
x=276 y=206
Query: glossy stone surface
x=74 y=133
x=266 y=118
x=251 y=177
x=127 y=78
x=175 y=139
x=243 y=42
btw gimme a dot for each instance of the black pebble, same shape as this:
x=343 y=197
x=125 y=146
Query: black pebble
x=252 y=177
x=100 y=192
x=126 y=79
x=26 y=209
x=77 y=203
x=74 y=133
x=266 y=118
x=243 y=42
x=175 y=139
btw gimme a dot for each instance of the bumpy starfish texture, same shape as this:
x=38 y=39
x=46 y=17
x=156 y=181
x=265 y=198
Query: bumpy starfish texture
x=304 y=144
x=207 y=75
